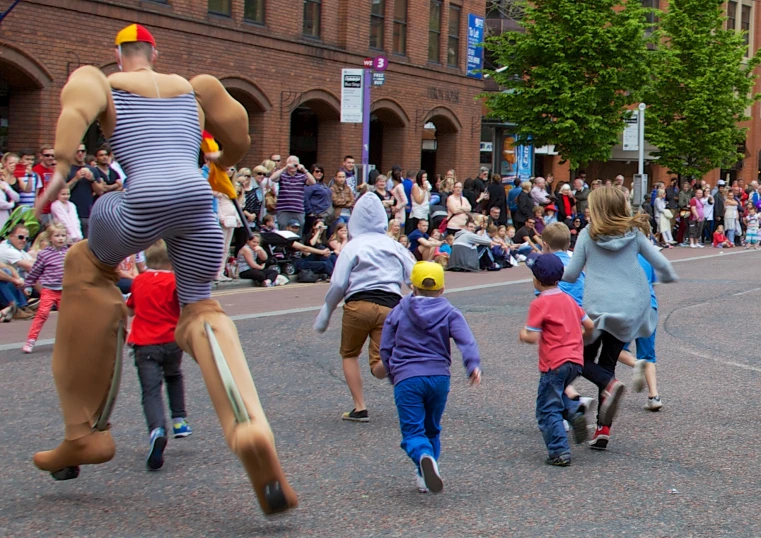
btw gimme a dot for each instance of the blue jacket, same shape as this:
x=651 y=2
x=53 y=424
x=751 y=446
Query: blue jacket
x=416 y=337
x=317 y=199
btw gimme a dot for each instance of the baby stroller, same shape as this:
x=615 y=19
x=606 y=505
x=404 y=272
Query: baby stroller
x=278 y=245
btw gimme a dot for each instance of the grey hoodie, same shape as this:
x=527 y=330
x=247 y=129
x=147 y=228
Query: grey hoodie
x=371 y=260
x=616 y=290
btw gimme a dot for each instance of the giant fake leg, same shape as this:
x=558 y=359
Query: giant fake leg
x=207 y=334
x=89 y=336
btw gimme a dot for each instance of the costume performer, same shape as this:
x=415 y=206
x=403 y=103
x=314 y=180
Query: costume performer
x=151 y=117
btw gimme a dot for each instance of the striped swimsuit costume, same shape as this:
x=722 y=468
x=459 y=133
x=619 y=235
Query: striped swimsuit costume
x=156 y=141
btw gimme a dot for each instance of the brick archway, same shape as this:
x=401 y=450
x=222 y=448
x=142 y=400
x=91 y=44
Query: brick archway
x=315 y=128
x=448 y=129
x=257 y=104
x=388 y=126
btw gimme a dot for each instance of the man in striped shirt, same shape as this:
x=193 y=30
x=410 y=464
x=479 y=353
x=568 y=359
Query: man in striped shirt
x=290 y=199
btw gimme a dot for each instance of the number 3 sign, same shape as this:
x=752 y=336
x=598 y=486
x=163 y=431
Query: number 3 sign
x=380 y=63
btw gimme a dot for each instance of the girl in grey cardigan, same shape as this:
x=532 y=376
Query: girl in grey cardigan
x=616 y=293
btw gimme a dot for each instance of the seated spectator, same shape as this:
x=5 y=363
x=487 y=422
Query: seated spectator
x=64 y=212
x=13 y=250
x=444 y=252
x=527 y=239
x=251 y=263
x=421 y=244
x=339 y=238
x=268 y=223
x=493 y=257
x=550 y=215
x=127 y=271
x=317 y=236
x=494 y=216
x=317 y=260
x=465 y=249
x=404 y=241
x=720 y=240
x=394 y=229
x=12 y=299
x=539 y=219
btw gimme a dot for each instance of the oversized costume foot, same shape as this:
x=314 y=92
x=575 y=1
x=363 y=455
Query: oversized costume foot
x=207 y=334
x=89 y=337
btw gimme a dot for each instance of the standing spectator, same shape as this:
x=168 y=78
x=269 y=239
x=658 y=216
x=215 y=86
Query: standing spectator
x=351 y=173
x=10 y=162
x=407 y=184
x=619 y=181
x=228 y=220
x=662 y=220
x=342 y=197
x=385 y=196
x=672 y=196
x=318 y=198
x=84 y=186
x=685 y=195
x=421 y=197
x=400 y=201
x=395 y=177
x=718 y=204
x=64 y=212
x=538 y=193
x=550 y=187
x=497 y=198
x=580 y=193
x=731 y=216
x=481 y=181
x=525 y=206
x=708 y=212
x=292 y=181
x=8 y=199
x=512 y=198
x=697 y=219
x=566 y=205
x=458 y=210
x=28 y=180
x=108 y=177
x=48 y=269
x=276 y=160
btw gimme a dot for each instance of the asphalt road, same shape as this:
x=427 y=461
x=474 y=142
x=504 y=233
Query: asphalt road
x=689 y=470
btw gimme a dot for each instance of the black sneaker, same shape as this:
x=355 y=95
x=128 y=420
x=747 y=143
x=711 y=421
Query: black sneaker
x=356 y=416
x=579 y=427
x=564 y=460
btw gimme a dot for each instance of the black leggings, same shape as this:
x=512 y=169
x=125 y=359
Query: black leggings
x=604 y=370
x=258 y=275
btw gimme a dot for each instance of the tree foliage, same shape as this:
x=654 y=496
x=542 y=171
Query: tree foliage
x=700 y=90
x=569 y=78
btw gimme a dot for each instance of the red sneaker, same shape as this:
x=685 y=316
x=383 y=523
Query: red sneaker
x=600 y=439
x=609 y=400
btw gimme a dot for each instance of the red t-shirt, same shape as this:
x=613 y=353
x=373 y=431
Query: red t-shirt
x=157 y=309
x=557 y=316
x=46 y=174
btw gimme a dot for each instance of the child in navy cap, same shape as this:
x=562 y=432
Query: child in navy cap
x=555 y=322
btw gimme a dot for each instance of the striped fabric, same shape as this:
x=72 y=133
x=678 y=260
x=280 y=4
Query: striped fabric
x=47 y=269
x=291 y=194
x=156 y=142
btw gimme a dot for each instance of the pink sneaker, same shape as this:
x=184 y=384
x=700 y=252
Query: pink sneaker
x=28 y=347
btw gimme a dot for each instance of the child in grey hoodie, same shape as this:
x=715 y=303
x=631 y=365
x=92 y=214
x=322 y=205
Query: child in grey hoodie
x=368 y=277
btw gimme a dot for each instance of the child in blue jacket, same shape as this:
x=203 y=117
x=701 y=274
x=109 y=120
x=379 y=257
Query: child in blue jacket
x=415 y=350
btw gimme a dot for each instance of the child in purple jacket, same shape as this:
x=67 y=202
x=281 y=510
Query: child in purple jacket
x=416 y=352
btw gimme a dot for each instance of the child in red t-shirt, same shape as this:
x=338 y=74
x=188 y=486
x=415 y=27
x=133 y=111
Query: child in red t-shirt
x=157 y=356
x=555 y=321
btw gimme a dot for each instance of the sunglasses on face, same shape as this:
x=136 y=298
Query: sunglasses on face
x=277 y=160
x=48 y=155
x=22 y=237
x=260 y=173
x=319 y=172
x=81 y=150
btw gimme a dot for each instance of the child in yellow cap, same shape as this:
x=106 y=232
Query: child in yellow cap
x=416 y=353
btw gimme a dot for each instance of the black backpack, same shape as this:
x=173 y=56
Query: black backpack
x=306 y=276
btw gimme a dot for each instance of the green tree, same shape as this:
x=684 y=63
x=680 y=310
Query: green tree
x=568 y=79
x=700 y=89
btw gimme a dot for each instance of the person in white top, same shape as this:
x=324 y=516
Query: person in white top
x=64 y=212
x=8 y=199
x=708 y=215
x=538 y=192
x=421 y=199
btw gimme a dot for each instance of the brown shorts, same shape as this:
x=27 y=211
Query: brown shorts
x=362 y=319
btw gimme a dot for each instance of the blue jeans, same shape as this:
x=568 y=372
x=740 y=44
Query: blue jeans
x=525 y=251
x=552 y=406
x=317 y=267
x=9 y=293
x=420 y=402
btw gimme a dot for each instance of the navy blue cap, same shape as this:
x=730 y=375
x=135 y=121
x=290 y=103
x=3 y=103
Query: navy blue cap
x=547 y=268
x=293 y=223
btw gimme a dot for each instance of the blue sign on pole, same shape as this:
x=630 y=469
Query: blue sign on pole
x=475 y=52
x=524 y=162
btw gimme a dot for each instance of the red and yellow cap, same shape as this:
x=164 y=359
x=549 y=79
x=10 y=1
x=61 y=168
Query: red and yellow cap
x=134 y=33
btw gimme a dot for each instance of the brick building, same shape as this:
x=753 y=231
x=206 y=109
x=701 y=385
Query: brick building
x=281 y=59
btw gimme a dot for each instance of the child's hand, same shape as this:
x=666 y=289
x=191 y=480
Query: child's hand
x=475 y=377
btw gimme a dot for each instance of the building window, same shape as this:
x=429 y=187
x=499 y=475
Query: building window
x=731 y=15
x=453 y=41
x=745 y=24
x=312 y=14
x=434 y=32
x=377 y=20
x=219 y=7
x=400 y=27
x=253 y=11
x=651 y=17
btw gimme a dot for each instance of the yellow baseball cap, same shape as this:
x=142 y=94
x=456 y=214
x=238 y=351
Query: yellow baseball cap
x=424 y=270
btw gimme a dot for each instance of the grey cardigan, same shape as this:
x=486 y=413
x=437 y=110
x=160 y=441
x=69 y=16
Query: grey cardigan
x=616 y=290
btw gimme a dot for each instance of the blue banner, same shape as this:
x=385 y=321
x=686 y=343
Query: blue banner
x=524 y=157
x=475 y=52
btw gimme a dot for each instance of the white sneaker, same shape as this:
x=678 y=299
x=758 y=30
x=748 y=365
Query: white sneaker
x=588 y=404
x=267 y=283
x=693 y=246
x=654 y=404
x=430 y=471
x=420 y=482
x=701 y=245
x=520 y=258
x=638 y=376
x=566 y=425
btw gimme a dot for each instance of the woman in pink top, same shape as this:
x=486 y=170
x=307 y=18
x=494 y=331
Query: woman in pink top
x=64 y=212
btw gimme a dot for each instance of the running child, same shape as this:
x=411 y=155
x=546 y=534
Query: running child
x=416 y=353
x=48 y=270
x=616 y=293
x=555 y=322
x=158 y=358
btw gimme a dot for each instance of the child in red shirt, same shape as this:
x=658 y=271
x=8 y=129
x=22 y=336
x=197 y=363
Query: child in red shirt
x=555 y=321
x=157 y=356
x=720 y=240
